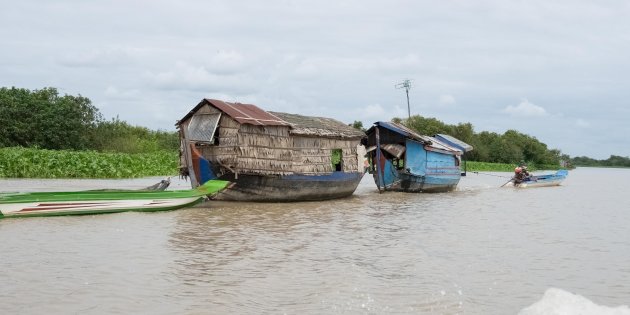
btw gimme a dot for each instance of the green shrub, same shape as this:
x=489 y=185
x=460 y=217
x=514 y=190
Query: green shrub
x=473 y=166
x=17 y=162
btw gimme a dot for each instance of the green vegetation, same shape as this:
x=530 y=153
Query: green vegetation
x=33 y=124
x=612 y=161
x=336 y=158
x=47 y=135
x=42 y=163
x=473 y=166
x=119 y=136
x=46 y=120
x=357 y=125
x=510 y=148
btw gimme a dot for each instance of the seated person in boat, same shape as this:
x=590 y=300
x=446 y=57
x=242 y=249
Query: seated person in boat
x=520 y=174
x=523 y=167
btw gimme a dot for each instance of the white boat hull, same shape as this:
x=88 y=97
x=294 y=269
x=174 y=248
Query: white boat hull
x=534 y=184
x=540 y=181
x=95 y=206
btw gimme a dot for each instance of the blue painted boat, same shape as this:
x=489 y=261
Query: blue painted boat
x=402 y=160
x=554 y=179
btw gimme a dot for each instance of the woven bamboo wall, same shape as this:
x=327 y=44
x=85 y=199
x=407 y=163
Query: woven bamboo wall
x=272 y=150
x=225 y=153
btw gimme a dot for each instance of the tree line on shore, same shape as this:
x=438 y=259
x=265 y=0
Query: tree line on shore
x=511 y=147
x=612 y=161
x=47 y=120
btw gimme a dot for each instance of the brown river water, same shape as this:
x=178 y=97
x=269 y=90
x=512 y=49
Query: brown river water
x=479 y=250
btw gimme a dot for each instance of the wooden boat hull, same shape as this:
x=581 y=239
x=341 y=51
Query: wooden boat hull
x=289 y=188
x=399 y=180
x=413 y=183
x=107 y=201
x=541 y=180
x=402 y=160
x=275 y=188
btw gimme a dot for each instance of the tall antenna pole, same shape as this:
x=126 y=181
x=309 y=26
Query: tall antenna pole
x=406 y=84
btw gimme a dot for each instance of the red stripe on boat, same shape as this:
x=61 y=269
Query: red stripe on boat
x=44 y=207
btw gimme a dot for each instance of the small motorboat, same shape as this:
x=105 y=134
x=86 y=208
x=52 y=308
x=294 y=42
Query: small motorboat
x=554 y=179
x=103 y=201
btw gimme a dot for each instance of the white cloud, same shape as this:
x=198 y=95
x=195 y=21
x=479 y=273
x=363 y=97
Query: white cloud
x=395 y=64
x=189 y=77
x=227 y=62
x=102 y=57
x=525 y=109
x=582 y=123
x=307 y=69
x=376 y=112
x=280 y=56
x=447 y=99
x=114 y=92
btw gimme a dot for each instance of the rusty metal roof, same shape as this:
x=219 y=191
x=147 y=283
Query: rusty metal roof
x=248 y=113
x=242 y=113
x=300 y=125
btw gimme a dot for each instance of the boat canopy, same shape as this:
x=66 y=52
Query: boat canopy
x=439 y=143
x=454 y=142
x=402 y=130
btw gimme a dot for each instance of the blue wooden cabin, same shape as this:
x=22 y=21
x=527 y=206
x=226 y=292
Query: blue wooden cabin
x=402 y=160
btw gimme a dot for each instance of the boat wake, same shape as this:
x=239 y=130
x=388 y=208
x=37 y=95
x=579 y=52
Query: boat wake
x=557 y=301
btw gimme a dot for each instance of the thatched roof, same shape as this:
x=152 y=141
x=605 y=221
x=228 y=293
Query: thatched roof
x=300 y=125
x=319 y=126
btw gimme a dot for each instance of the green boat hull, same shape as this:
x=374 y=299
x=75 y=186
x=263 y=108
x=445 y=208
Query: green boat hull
x=94 y=202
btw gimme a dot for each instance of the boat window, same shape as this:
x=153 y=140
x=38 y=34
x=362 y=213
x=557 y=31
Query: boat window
x=202 y=128
x=337 y=160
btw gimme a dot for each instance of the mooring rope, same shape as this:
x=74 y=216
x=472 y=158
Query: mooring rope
x=480 y=173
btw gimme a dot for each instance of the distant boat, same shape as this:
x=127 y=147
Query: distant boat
x=269 y=156
x=554 y=179
x=102 y=201
x=402 y=160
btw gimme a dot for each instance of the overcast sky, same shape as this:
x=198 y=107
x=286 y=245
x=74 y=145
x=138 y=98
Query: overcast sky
x=556 y=70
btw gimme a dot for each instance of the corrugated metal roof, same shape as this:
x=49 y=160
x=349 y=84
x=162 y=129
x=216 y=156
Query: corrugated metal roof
x=247 y=113
x=454 y=142
x=242 y=113
x=435 y=143
x=439 y=145
x=398 y=128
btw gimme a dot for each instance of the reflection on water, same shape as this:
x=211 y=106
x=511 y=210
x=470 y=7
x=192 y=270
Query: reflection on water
x=477 y=250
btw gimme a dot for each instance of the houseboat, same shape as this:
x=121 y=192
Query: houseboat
x=269 y=156
x=403 y=160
